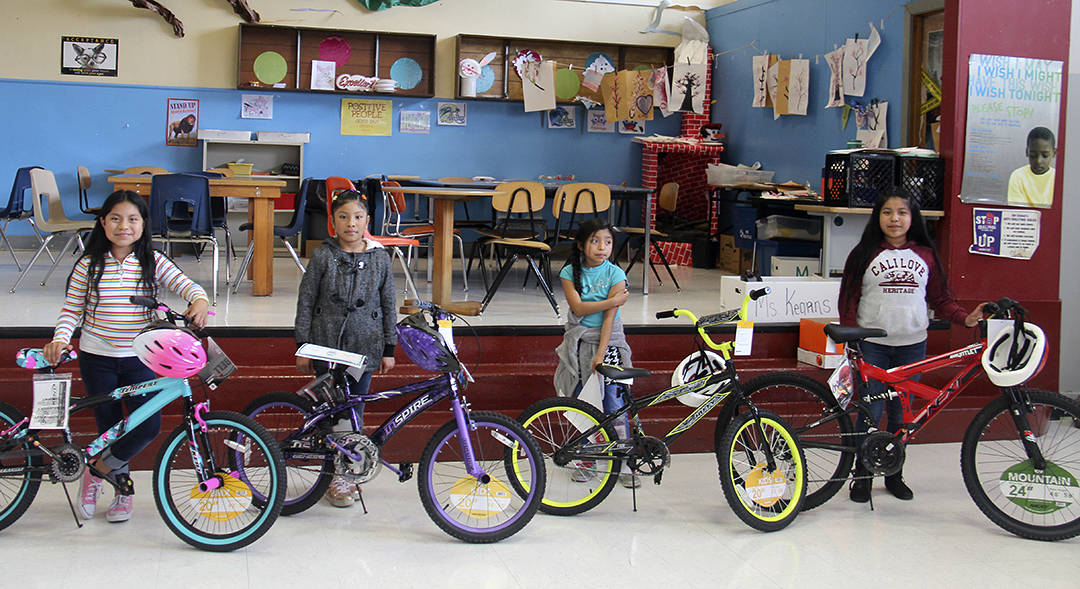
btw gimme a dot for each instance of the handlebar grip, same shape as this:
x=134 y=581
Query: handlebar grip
x=665 y=314
x=757 y=294
x=148 y=302
x=991 y=309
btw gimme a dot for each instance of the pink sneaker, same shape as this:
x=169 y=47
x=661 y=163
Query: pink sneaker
x=88 y=492
x=120 y=510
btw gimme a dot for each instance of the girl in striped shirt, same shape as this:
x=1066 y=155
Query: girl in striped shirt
x=118 y=263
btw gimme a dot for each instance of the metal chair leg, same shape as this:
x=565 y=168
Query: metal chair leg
x=3 y=234
x=543 y=284
x=292 y=252
x=44 y=246
x=663 y=259
x=409 y=286
x=40 y=237
x=464 y=271
x=243 y=269
x=74 y=236
x=513 y=256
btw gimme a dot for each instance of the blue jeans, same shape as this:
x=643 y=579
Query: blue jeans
x=884 y=356
x=102 y=375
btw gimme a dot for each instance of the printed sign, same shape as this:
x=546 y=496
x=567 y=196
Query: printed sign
x=182 y=122
x=1005 y=233
x=367 y=117
x=51 y=395
x=88 y=56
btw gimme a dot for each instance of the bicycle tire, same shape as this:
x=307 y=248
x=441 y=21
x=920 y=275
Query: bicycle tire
x=766 y=506
x=467 y=508
x=306 y=479
x=801 y=401
x=250 y=499
x=16 y=494
x=992 y=455
x=548 y=421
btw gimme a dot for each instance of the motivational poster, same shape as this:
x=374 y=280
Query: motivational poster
x=367 y=117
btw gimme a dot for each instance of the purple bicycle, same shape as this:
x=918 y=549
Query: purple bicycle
x=481 y=475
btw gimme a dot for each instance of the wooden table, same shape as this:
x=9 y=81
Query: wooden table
x=442 y=242
x=260 y=194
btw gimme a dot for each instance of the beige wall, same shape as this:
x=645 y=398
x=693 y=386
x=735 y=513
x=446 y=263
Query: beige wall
x=206 y=56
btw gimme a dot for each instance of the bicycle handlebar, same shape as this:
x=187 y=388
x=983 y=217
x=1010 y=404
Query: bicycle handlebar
x=665 y=314
x=757 y=294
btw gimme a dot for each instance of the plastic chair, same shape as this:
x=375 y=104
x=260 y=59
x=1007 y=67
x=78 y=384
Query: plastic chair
x=579 y=198
x=334 y=185
x=84 y=187
x=16 y=210
x=219 y=211
x=43 y=184
x=394 y=208
x=169 y=191
x=669 y=196
x=292 y=229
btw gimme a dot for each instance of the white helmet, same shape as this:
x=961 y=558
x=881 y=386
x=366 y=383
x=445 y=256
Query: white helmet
x=1025 y=363
x=690 y=369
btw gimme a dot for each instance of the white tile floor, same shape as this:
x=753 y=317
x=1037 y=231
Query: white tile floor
x=683 y=535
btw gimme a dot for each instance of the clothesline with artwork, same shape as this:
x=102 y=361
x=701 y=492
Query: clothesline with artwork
x=625 y=95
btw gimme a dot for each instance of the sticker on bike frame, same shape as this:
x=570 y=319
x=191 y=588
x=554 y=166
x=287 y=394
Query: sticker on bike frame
x=1039 y=492
x=226 y=502
x=765 y=488
x=478 y=500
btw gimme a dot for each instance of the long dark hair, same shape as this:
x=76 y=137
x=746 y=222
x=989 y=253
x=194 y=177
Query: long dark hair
x=872 y=236
x=97 y=245
x=581 y=239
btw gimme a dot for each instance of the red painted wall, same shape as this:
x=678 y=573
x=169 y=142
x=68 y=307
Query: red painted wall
x=1037 y=29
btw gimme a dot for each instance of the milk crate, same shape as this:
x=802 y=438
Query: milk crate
x=923 y=180
x=856 y=179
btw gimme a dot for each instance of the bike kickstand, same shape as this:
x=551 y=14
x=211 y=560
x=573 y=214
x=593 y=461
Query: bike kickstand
x=71 y=504
x=633 y=493
x=360 y=492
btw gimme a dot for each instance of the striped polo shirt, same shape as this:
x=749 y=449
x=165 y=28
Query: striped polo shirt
x=109 y=326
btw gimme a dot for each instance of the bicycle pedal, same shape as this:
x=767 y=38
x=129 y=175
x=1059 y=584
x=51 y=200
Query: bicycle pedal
x=123 y=483
x=406 y=469
x=656 y=478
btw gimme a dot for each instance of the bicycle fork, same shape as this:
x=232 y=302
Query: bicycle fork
x=465 y=424
x=1019 y=408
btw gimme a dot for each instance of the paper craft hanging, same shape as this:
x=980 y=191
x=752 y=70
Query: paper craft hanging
x=688 y=88
x=567 y=84
x=640 y=92
x=759 y=71
x=770 y=83
x=783 y=77
x=871 y=123
x=856 y=54
x=597 y=121
x=661 y=90
x=798 y=86
x=538 y=86
x=613 y=100
x=835 y=60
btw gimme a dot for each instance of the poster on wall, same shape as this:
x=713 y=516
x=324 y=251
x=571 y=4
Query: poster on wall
x=367 y=117
x=1005 y=233
x=256 y=106
x=453 y=114
x=596 y=121
x=182 y=122
x=415 y=121
x=1012 y=122
x=88 y=56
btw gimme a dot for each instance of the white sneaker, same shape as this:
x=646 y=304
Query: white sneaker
x=340 y=493
x=582 y=472
x=629 y=481
x=89 y=488
x=120 y=510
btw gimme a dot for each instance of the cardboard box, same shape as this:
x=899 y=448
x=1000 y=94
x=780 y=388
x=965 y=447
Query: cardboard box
x=746 y=260
x=793 y=266
x=727 y=255
x=827 y=361
x=791 y=299
x=812 y=336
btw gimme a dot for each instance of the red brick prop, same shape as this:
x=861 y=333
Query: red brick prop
x=678 y=253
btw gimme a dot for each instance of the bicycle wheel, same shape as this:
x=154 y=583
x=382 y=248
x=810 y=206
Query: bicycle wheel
x=1041 y=505
x=249 y=472
x=309 y=465
x=17 y=491
x=766 y=501
x=485 y=510
x=802 y=402
x=577 y=486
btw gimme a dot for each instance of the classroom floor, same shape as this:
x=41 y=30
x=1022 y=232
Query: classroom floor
x=683 y=535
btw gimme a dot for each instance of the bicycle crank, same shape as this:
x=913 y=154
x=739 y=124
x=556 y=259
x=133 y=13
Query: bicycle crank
x=882 y=454
x=67 y=464
x=650 y=456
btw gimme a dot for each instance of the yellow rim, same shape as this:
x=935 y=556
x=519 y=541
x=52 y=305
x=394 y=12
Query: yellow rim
x=752 y=508
x=597 y=488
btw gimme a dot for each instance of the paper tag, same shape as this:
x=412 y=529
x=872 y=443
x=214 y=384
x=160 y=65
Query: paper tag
x=744 y=337
x=994 y=327
x=51 y=393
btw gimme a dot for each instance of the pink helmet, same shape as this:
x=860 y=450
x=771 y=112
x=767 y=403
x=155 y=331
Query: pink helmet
x=170 y=352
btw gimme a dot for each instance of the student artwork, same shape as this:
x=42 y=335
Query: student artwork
x=596 y=121
x=759 y=70
x=323 y=74
x=452 y=113
x=661 y=90
x=798 y=86
x=780 y=97
x=270 y=68
x=335 y=49
x=415 y=121
x=613 y=98
x=561 y=117
x=588 y=103
x=471 y=71
x=256 y=106
x=537 y=80
x=639 y=91
x=835 y=60
x=597 y=66
x=688 y=88
x=631 y=127
x=182 y=122
x=856 y=53
x=870 y=124
x=567 y=84
x=407 y=73
x=771 y=76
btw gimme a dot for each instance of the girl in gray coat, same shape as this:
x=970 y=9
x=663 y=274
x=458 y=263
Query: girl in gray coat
x=346 y=301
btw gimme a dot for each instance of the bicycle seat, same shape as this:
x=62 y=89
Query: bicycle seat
x=619 y=373
x=842 y=334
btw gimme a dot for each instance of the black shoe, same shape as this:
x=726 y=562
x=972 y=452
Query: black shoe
x=860 y=490
x=895 y=485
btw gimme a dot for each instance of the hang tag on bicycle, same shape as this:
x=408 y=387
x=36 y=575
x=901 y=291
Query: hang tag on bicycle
x=842 y=384
x=51 y=395
x=744 y=337
x=994 y=327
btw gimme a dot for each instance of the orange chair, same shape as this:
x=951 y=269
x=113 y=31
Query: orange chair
x=334 y=185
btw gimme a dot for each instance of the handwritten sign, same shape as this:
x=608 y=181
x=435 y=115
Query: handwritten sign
x=1005 y=233
x=792 y=298
x=367 y=117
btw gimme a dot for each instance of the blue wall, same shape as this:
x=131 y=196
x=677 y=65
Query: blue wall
x=60 y=125
x=795 y=146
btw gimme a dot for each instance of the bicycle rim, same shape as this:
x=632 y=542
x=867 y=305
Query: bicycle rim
x=17 y=491
x=249 y=499
x=764 y=500
x=578 y=485
x=1043 y=505
x=306 y=476
x=467 y=508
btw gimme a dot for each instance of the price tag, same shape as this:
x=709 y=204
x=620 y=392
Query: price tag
x=994 y=327
x=51 y=394
x=744 y=337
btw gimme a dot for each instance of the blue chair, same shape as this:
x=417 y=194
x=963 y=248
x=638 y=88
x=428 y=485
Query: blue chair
x=219 y=210
x=170 y=192
x=294 y=227
x=16 y=210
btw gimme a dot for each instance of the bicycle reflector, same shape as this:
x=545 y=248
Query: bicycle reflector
x=1015 y=357
x=425 y=346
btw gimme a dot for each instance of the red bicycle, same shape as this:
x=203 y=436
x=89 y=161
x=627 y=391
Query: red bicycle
x=1020 y=456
